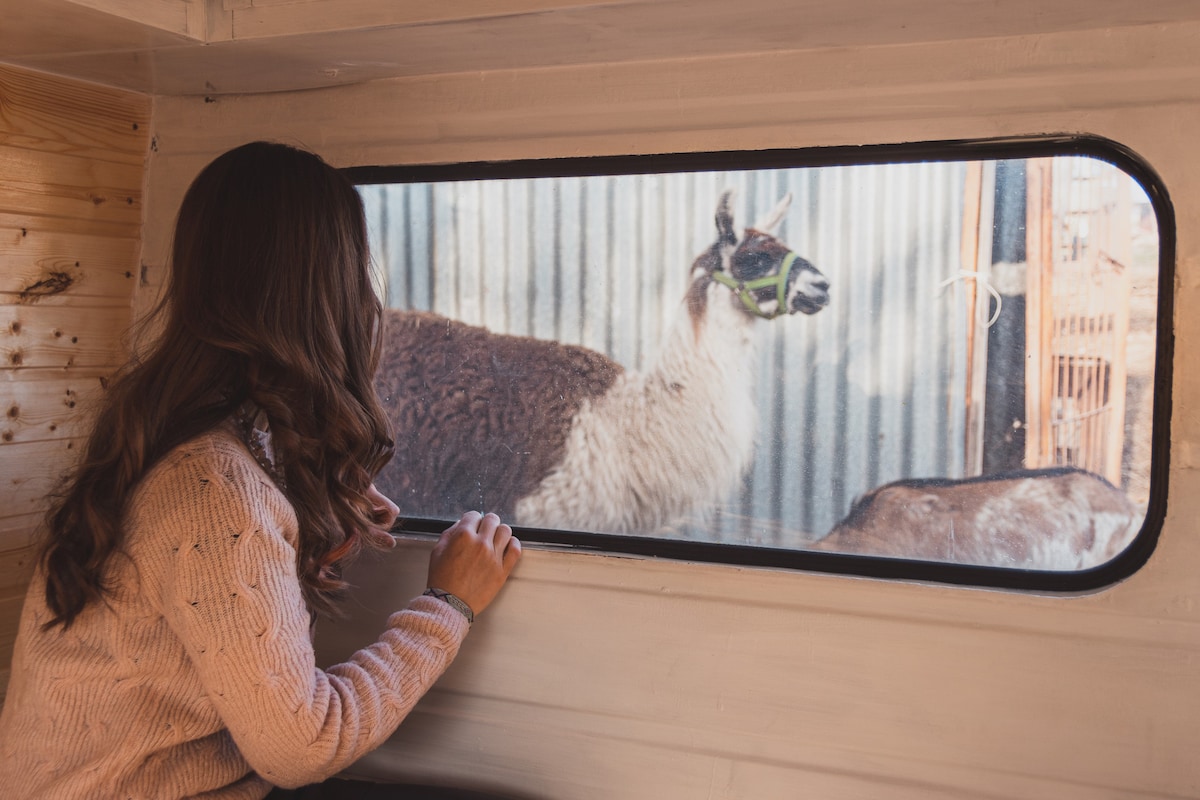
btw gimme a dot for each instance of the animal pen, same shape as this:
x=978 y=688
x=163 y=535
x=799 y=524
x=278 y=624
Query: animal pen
x=890 y=381
x=1079 y=244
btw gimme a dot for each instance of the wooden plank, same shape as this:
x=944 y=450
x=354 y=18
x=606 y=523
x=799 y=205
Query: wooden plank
x=1120 y=224
x=30 y=471
x=55 y=115
x=969 y=257
x=40 y=405
x=39 y=224
x=693 y=104
x=874 y=656
x=172 y=16
x=264 y=18
x=40 y=27
x=64 y=185
x=42 y=262
x=510 y=743
x=18 y=532
x=1040 y=371
x=16 y=567
x=33 y=336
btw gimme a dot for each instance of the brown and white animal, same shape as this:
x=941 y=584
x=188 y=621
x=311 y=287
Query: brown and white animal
x=555 y=435
x=1060 y=518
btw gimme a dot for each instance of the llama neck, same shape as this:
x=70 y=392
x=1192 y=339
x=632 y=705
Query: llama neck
x=713 y=345
x=665 y=443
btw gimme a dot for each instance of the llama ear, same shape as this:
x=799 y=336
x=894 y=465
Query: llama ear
x=771 y=221
x=725 y=233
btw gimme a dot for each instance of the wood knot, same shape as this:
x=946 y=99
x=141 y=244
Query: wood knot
x=54 y=283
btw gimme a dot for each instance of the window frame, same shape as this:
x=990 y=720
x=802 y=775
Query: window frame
x=862 y=565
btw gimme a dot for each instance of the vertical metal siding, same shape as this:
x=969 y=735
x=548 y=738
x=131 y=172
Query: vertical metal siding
x=869 y=390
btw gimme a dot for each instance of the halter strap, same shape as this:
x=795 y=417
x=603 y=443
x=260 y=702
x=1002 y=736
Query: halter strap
x=743 y=289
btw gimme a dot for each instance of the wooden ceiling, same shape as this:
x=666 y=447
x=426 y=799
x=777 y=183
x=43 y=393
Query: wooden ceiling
x=188 y=47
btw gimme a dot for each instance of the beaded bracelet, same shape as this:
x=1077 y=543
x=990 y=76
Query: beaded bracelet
x=455 y=602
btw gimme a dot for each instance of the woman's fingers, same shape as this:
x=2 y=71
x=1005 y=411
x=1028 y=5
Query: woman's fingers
x=502 y=538
x=490 y=530
x=473 y=558
x=512 y=552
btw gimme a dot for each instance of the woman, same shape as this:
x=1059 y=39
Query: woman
x=164 y=649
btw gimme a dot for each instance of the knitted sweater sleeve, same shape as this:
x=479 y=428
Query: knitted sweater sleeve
x=228 y=588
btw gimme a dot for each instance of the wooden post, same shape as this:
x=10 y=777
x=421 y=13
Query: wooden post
x=1040 y=372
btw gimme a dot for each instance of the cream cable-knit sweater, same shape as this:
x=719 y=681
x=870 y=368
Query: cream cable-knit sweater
x=197 y=678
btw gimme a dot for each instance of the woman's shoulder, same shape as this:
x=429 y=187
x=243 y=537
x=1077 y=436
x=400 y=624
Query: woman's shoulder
x=216 y=452
x=211 y=474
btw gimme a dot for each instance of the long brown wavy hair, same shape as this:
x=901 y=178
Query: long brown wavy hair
x=270 y=299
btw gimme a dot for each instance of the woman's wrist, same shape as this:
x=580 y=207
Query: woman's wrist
x=453 y=600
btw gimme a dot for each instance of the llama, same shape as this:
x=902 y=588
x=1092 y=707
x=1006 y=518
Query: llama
x=554 y=435
x=1060 y=518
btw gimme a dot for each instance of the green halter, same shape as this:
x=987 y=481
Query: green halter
x=743 y=289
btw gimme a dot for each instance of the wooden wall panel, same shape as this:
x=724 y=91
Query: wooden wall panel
x=739 y=682
x=50 y=405
x=60 y=185
x=61 y=336
x=38 y=264
x=46 y=114
x=72 y=165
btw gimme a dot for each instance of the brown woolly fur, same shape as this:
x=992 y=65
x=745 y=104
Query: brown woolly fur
x=270 y=300
x=465 y=404
x=1057 y=518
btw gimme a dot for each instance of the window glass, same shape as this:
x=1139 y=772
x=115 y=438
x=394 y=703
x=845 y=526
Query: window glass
x=947 y=362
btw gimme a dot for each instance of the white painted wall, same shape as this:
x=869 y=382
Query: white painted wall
x=599 y=677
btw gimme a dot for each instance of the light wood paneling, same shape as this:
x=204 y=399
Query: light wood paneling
x=599 y=676
x=16 y=533
x=265 y=18
x=50 y=115
x=43 y=263
x=15 y=567
x=184 y=17
x=46 y=27
x=59 y=185
x=240 y=46
x=45 y=405
x=72 y=161
x=61 y=336
x=30 y=470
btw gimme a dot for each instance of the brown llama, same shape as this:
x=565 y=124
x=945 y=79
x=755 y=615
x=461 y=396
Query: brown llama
x=1060 y=518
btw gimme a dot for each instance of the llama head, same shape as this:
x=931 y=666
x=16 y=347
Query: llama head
x=769 y=278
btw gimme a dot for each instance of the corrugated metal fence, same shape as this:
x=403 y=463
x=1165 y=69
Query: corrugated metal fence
x=868 y=390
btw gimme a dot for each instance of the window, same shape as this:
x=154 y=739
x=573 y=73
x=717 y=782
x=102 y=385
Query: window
x=929 y=361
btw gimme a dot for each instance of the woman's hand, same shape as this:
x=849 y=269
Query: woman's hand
x=473 y=558
x=385 y=511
